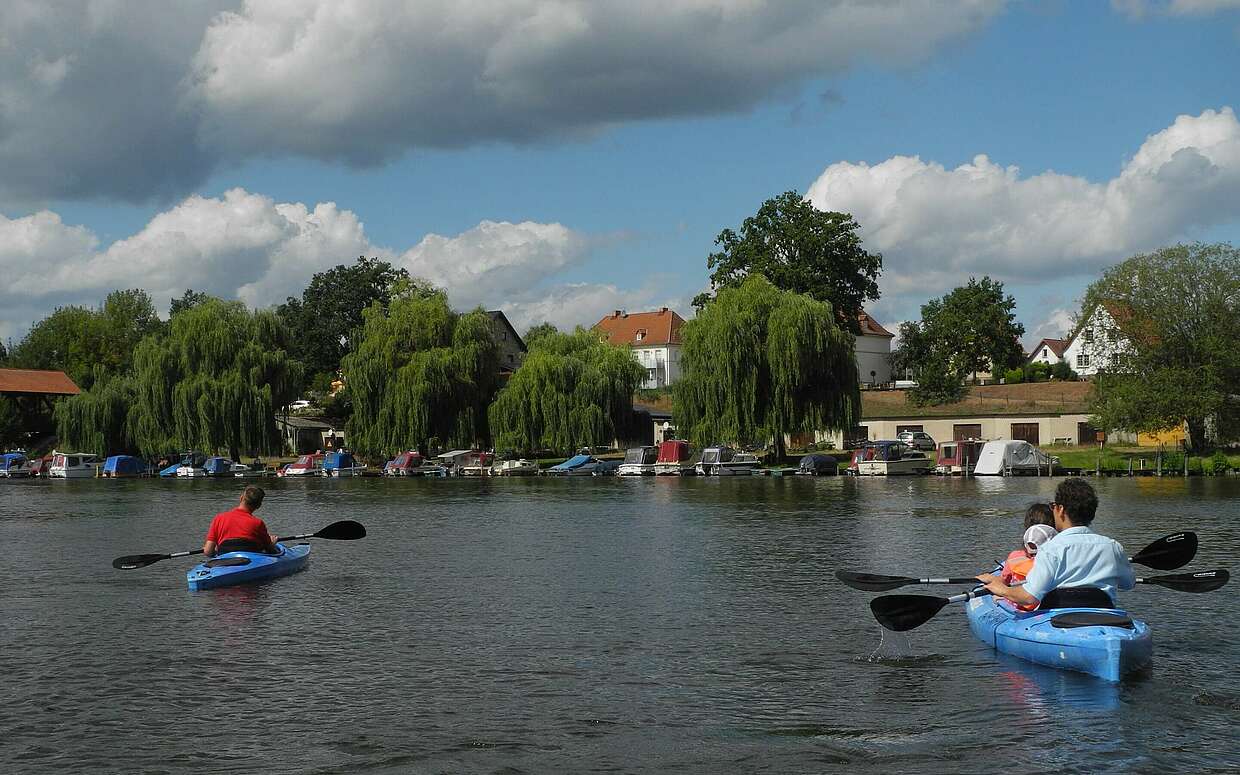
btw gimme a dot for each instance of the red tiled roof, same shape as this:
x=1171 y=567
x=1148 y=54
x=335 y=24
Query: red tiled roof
x=657 y=328
x=1056 y=346
x=871 y=327
x=55 y=383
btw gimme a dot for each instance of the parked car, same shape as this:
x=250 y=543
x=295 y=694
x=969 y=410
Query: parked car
x=917 y=439
x=299 y=404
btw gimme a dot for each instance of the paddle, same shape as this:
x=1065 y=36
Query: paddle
x=1167 y=553
x=906 y=612
x=344 y=530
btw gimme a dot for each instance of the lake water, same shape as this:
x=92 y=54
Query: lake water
x=541 y=625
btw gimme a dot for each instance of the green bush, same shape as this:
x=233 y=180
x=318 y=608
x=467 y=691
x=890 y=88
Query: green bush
x=1063 y=371
x=1219 y=464
x=1037 y=372
x=1014 y=376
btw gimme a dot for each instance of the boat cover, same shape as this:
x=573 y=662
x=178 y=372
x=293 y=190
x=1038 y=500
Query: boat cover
x=218 y=466
x=998 y=455
x=577 y=461
x=124 y=464
x=11 y=460
x=673 y=451
x=336 y=460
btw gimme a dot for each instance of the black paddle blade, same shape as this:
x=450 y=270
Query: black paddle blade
x=344 y=530
x=905 y=612
x=873 y=582
x=131 y=561
x=1169 y=552
x=1205 y=581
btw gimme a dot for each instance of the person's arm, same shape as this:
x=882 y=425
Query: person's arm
x=208 y=548
x=1126 y=578
x=997 y=588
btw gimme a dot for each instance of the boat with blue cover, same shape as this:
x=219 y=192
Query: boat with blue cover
x=232 y=568
x=1101 y=641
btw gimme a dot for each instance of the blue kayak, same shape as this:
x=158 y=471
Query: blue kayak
x=1103 y=642
x=231 y=568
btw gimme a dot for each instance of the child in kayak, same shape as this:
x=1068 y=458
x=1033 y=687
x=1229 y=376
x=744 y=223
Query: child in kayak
x=1020 y=561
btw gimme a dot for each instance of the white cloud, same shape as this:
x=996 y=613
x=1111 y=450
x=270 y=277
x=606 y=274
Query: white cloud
x=936 y=226
x=248 y=246
x=1056 y=324
x=144 y=100
x=1139 y=9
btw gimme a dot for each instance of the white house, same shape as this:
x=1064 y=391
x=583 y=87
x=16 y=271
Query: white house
x=654 y=338
x=873 y=351
x=1048 y=351
x=1096 y=342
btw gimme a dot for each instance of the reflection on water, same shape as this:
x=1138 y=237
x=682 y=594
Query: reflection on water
x=537 y=625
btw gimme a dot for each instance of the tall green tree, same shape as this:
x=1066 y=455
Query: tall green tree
x=801 y=249
x=331 y=309
x=420 y=375
x=191 y=298
x=212 y=381
x=78 y=340
x=759 y=363
x=571 y=390
x=1177 y=311
x=536 y=332
x=973 y=328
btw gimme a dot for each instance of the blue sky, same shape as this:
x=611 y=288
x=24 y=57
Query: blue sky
x=568 y=196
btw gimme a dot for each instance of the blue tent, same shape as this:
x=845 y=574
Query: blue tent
x=123 y=465
x=11 y=460
x=337 y=460
x=218 y=466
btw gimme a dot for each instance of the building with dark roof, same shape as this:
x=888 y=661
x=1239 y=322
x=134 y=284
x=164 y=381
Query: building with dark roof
x=1048 y=351
x=512 y=348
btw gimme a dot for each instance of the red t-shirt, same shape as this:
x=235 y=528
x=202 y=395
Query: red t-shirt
x=238 y=524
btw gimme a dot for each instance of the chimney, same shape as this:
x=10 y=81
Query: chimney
x=616 y=314
x=663 y=310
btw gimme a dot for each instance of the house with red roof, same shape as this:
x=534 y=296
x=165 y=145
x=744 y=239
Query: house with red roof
x=1049 y=351
x=654 y=338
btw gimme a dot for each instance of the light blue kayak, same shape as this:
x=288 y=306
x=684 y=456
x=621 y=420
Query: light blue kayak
x=231 y=568
x=1102 y=642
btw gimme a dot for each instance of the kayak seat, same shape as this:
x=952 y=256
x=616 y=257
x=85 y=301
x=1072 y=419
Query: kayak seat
x=224 y=562
x=1076 y=597
x=1074 y=619
x=240 y=545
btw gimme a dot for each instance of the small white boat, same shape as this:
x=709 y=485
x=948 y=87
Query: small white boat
x=639 y=461
x=190 y=472
x=72 y=465
x=306 y=465
x=515 y=468
x=725 y=461
x=889 y=458
x=477 y=464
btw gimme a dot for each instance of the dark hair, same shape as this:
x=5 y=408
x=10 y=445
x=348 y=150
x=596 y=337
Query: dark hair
x=253 y=496
x=1039 y=514
x=1078 y=499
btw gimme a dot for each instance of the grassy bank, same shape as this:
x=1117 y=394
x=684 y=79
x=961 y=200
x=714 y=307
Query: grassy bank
x=1139 y=459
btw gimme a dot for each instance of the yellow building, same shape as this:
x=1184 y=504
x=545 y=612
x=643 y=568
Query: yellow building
x=1172 y=437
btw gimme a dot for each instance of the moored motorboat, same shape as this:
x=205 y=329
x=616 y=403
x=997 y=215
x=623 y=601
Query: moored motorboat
x=342 y=464
x=306 y=465
x=124 y=466
x=73 y=465
x=725 y=461
x=14 y=465
x=888 y=458
x=577 y=465
x=1104 y=642
x=639 y=461
x=231 y=568
x=675 y=458
x=520 y=467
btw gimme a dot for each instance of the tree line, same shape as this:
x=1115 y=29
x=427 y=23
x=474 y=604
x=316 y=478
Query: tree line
x=770 y=352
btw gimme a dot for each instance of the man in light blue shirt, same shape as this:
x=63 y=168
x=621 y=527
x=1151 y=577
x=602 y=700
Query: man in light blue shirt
x=1076 y=557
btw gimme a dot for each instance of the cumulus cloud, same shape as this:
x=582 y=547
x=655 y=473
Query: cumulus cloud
x=1139 y=9
x=247 y=246
x=113 y=99
x=936 y=226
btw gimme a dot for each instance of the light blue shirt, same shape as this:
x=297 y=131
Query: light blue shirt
x=1078 y=557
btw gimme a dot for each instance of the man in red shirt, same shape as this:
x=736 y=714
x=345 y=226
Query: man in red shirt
x=239 y=530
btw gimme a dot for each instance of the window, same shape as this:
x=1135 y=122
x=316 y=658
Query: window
x=1082 y=360
x=910 y=428
x=650 y=375
x=1089 y=335
x=961 y=432
x=641 y=334
x=1046 y=353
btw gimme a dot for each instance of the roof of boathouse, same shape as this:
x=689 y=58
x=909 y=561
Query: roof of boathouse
x=34 y=382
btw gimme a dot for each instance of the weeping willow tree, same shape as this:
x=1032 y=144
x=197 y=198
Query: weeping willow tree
x=420 y=375
x=760 y=363
x=571 y=390
x=97 y=420
x=211 y=382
